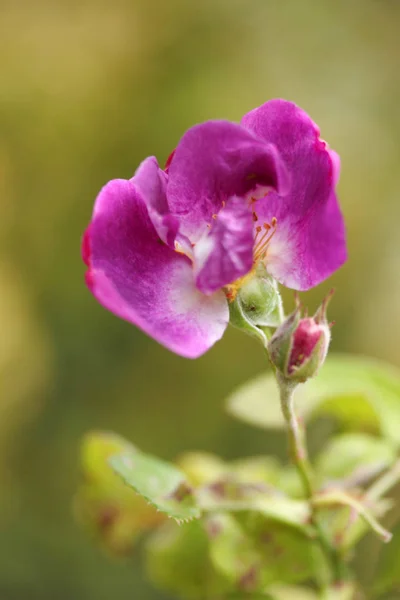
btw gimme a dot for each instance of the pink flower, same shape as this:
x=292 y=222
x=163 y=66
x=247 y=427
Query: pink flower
x=168 y=250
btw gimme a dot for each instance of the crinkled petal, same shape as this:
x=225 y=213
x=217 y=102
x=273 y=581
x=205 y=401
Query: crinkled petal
x=226 y=253
x=139 y=278
x=151 y=181
x=214 y=161
x=309 y=243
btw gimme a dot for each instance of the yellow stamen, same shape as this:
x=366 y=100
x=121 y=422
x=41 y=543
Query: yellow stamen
x=261 y=243
x=263 y=236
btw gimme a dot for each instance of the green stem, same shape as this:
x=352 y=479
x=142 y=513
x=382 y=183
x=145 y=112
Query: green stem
x=297 y=447
x=339 y=498
x=298 y=452
x=384 y=484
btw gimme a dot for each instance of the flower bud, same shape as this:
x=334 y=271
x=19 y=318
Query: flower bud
x=257 y=304
x=260 y=300
x=299 y=346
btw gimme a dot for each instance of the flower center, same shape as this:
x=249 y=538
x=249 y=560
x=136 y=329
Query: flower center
x=263 y=236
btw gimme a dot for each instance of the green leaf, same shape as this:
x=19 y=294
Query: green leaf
x=257 y=403
x=360 y=393
x=375 y=389
x=291 y=592
x=112 y=513
x=251 y=597
x=257 y=554
x=387 y=576
x=201 y=467
x=178 y=561
x=261 y=469
x=345 y=591
x=350 y=454
x=163 y=485
x=97 y=447
x=237 y=497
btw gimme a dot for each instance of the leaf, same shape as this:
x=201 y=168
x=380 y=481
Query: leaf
x=97 y=447
x=352 y=453
x=160 y=483
x=261 y=469
x=113 y=514
x=237 y=497
x=251 y=597
x=264 y=552
x=387 y=576
x=361 y=393
x=291 y=592
x=201 y=467
x=376 y=382
x=343 y=591
x=178 y=561
x=257 y=403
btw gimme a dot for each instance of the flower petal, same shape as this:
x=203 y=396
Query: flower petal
x=309 y=243
x=139 y=278
x=226 y=253
x=212 y=162
x=151 y=181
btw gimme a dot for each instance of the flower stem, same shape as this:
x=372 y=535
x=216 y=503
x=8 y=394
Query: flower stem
x=298 y=452
x=297 y=447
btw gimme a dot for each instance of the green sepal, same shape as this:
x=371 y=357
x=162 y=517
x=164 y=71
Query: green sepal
x=161 y=484
x=281 y=343
x=238 y=319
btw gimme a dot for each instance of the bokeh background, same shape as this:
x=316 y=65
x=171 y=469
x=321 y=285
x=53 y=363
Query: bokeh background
x=89 y=88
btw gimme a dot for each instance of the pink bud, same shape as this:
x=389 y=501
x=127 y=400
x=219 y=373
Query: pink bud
x=305 y=338
x=299 y=346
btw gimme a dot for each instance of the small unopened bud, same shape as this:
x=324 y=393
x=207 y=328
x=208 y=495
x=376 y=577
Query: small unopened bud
x=299 y=346
x=258 y=300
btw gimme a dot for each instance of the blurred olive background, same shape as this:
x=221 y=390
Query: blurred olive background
x=89 y=88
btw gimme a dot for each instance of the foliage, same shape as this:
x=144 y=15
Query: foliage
x=247 y=537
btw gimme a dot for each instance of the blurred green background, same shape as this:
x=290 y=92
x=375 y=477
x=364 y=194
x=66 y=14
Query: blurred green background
x=89 y=88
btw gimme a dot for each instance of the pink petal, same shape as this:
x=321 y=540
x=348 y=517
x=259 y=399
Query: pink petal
x=309 y=243
x=140 y=279
x=151 y=181
x=213 y=162
x=226 y=253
